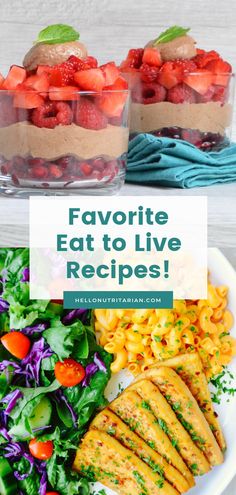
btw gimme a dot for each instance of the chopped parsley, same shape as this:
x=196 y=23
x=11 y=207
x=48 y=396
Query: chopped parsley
x=163 y=425
x=160 y=483
x=145 y=405
x=194 y=469
x=222 y=386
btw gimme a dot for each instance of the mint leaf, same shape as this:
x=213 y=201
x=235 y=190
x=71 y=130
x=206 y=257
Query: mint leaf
x=57 y=33
x=170 y=34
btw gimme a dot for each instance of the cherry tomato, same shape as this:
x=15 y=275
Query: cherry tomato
x=56 y=301
x=41 y=450
x=69 y=373
x=17 y=344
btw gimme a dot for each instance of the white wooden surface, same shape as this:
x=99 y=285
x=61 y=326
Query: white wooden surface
x=109 y=28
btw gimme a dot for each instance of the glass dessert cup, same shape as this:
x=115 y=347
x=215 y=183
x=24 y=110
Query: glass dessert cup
x=65 y=145
x=197 y=110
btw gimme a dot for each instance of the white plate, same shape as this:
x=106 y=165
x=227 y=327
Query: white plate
x=221 y=273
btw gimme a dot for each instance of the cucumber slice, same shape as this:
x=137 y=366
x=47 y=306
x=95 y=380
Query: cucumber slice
x=8 y=485
x=40 y=417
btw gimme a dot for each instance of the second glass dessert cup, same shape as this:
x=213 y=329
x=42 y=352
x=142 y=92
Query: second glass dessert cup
x=195 y=110
x=60 y=143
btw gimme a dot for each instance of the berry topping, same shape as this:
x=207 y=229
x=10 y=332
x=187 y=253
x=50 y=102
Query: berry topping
x=181 y=94
x=27 y=99
x=37 y=82
x=111 y=73
x=51 y=114
x=220 y=94
x=90 y=80
x=64 y=93
x=82 y=64
x=89 y=116
x=62 y=74
x=134 y=59
x=152 y=56
x=148 y=73
x=202 y=58
x=112 y=103
x=9 y=114
x=200 y=81
x=220 y=69
x=169 y=75
x=16 y=76
x=149 y=93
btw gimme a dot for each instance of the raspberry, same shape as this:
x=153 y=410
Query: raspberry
x=181 y=94
x=55 y=172
x=208 y=96
x=82 y=64
x=148 y=73
x=51 y=114
x=62 y=74
x=89 y=116
x=149 y=93
x=134 y=58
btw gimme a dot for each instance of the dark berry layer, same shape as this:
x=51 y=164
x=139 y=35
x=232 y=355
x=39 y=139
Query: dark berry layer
x=206 y=141
x=65 y=171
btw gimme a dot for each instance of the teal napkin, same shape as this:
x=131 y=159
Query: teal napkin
x=175 y=163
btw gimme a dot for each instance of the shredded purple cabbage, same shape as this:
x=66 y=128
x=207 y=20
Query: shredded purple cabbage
x=59 y=396
x=14 y=451
x=25 y=275
x=35 y=329
x=11 y=400
x=32 y=362
x=100 y=364
x=92 y=368
x=41 y=467
x=4 y=364
x=72 y=315
x=4 y=305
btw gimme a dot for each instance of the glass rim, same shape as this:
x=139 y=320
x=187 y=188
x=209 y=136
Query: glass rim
x=65 y=88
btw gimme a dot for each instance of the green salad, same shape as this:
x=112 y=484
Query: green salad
x=52 y=380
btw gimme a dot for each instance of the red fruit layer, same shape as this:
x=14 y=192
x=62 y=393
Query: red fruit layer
x=66 y=169
x=51 y=114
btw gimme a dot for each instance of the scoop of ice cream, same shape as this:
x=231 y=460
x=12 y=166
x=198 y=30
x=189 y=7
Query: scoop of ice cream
x=45 y=54
x=181 y=47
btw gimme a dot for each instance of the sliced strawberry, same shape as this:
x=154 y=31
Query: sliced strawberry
x=89 y=116
x=152 y=56
x=148 y=73
x=220 y=69
x=39 y=83
x=112 y=103
x=64 y=93
x=111 y=73
x=16 y=76
x=169 y=75
x=27 y=99
x=1 y=80
x=203 y=58
x=200 y=81
x=90 y=80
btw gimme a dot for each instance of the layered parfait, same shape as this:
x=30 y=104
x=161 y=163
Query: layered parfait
x=180 y=91
x=63 y=119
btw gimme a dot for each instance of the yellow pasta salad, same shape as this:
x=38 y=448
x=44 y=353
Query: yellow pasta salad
x=140 y=337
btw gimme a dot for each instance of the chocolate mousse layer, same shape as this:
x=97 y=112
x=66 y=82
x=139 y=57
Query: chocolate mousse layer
x=206 y=117
x=24 y=139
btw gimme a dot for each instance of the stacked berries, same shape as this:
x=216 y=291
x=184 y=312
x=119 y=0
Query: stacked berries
x=67 y=169
x=51 y=95
x=202 y=79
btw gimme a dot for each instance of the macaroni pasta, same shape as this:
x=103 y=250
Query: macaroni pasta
x=140 y=337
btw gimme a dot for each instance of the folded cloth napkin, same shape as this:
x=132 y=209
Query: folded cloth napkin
x=176 y=163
